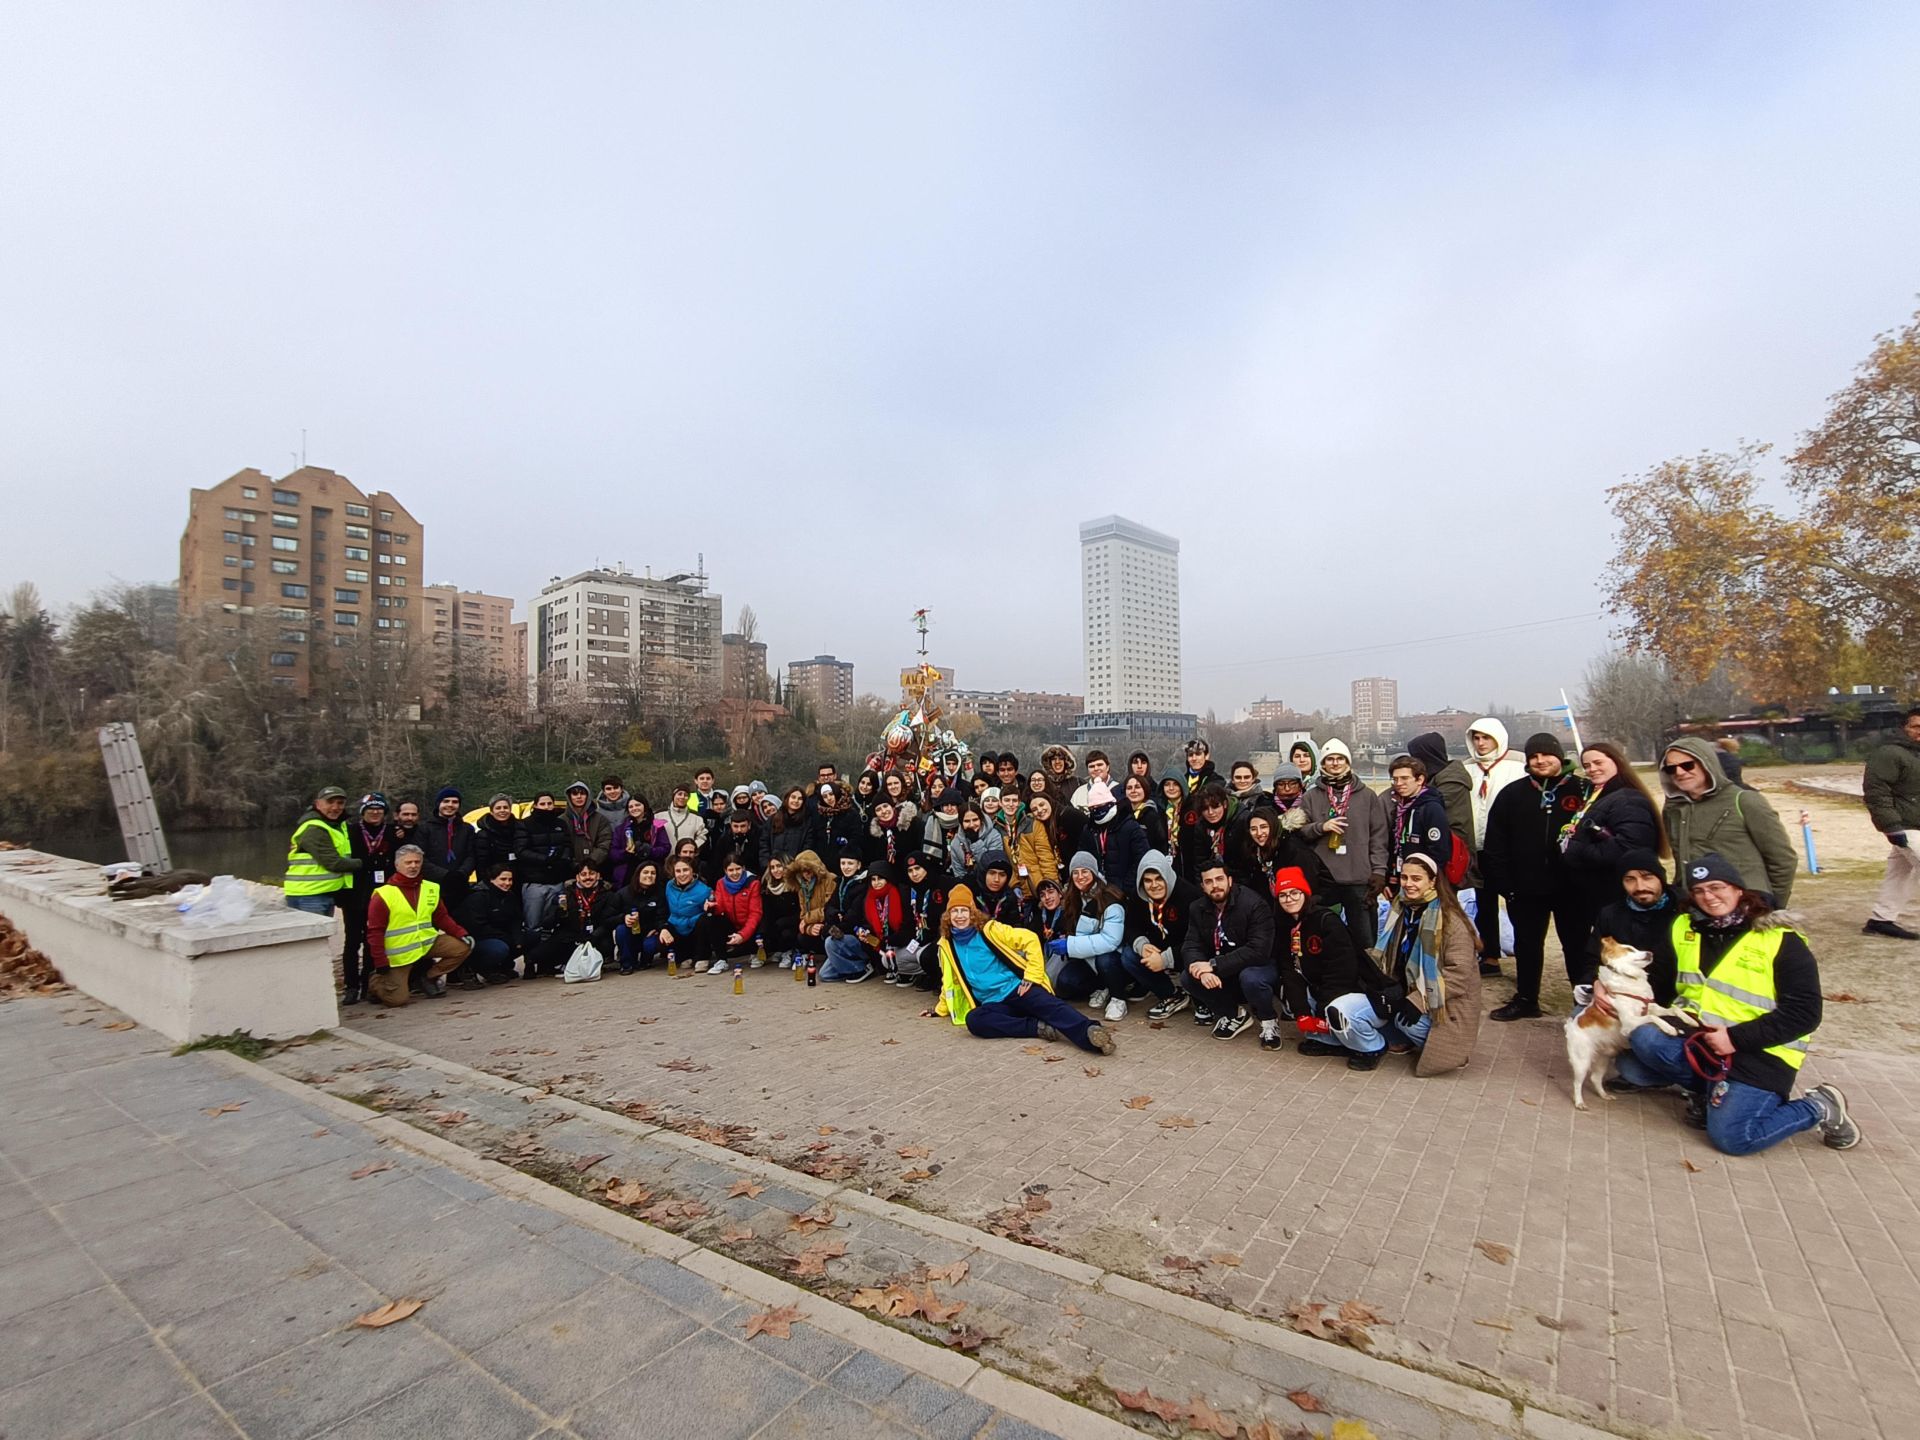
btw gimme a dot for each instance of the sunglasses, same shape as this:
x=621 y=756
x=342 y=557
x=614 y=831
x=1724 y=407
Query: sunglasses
x=1682 y=768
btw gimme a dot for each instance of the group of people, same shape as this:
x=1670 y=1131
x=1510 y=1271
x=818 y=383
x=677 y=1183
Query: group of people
x=1046 y=902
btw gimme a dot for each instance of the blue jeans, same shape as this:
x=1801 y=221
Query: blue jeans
x=492 y=957
x=1358 y=1026
x=1741 y=1118
x=1126 y=974
x=847 y=956
x=1019 y=1017
x=312 y=904
x=635 y=948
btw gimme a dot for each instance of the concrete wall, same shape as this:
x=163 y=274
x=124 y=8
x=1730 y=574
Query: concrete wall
x=271 y=976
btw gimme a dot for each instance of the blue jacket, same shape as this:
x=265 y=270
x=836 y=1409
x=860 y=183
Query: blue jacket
x=685 y=904
x=1091 y=939
x=1120 y=844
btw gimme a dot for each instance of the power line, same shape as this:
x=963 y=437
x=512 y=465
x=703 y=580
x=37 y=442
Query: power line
x=1401 y=644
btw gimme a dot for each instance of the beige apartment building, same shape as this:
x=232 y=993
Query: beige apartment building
x=826 y=683
x=312 y=561
x=472 y=634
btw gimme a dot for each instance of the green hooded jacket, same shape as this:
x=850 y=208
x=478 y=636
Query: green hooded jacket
x=1892 y=787
x=1738 y=824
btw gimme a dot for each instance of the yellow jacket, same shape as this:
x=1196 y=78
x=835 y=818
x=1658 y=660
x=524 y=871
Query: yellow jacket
x=1033 y=849
x=1012 y=943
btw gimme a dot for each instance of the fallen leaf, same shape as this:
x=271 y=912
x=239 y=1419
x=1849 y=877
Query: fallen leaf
x=505 y=1050
x=1494 y=1324
x=1033 y=1049
x=1227 y=1258
x=1051 y=1059
x=1175 y=1122
x=810 y=1221
x=587 y=1162
x=820 y=1037
x=914 y=1177
x=1202 y=1416
x=685 y=1063
x=224 y=1109
x=447 y=1117
x=778 y=1323
x=913 y=1152
x=889 y=1042
x=949 y=1274
x=813 y=1260
x=735 y=1237
x=1037 y=1204
x=1139 y=1102
x=1839 y=997
x=967 y=1340
x=1555 y=1323
x=1181 y=1262
x=1264 y=1429
x=1692 y=1169
x=318 y=1133
x=1494 y=1251
x=1307 y=1401
x=937 y=1310
x=1358 y=1312
x=1156 y=1024
x=869 y=1297
x=829 y=1130
x=1170 y=1411
x=628 y=1192
x=1309 y=1317
x=1092 y=1070
x=1073 y=1310
x=374 y=1169
x=388 y=1313
x=119 y=1025
x=744 y=1187
x=731 y=1020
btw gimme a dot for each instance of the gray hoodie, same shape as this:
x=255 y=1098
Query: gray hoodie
x=1740 y=824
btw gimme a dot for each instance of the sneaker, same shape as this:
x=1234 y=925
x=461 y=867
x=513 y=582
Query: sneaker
x=1838 y=1130
x=436 y=986
x=785 y=962
x=1320 y=1047
x=718 y=967
x=1518 y=1008
x=1696 y=1111
x=1045 y=1031
x=1229 y=1026
x=1270 y=1035
x=1172 y=1005
x=755 y=963
x=1098 y=999
x=1101 y=1040
x=1892 y=931
x=468 y=981
x=892 y=977
x=355 y=995
x=1203 y=1016
x=1489 y=967
x=1116 y=1009
x=1365 y=1059
x=866 y=974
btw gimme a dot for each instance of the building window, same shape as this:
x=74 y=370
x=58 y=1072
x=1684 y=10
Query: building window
x=282 y=542
x=359 y=575
x=246 y=564
x=247 y=492
x=385 y=538
x=285 y=658
x=246 y=586
x=401 y=537
x=286 y=567
x=382 y=623
x=292 y=612
x=285 y=682
x=399 y=624
x=293 y=592
x=355 y=553
x=345 y=617
x=386 y=517
x=293 y=637
x=357 y=532
x=230 y=514
x=357 y=511
x=230 y=583
x=232 y=537
x=285 y=522
x=285 y=497
x=346 y=597
x=233 y=560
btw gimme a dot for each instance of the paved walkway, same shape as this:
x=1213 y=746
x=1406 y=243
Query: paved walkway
x=1649 y=1278
x=184 y=1247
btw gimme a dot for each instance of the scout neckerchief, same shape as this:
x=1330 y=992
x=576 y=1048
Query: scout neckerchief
x=1586 y=804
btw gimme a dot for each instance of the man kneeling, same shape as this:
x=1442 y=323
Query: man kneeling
x=406 y=924
x=993 y=980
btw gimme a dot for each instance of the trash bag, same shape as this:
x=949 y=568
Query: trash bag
x=226 y=901
x=584 y=964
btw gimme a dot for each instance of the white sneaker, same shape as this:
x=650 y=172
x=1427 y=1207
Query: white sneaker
x=719 y=967
x=1099 y=998
x=755 y=963
x=1116 y=1009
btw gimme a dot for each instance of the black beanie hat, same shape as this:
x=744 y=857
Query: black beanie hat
x=1641 y=860
x=1545 y=744
x=1712 y=866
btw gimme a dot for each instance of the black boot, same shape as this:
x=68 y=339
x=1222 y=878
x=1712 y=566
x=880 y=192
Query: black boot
x=354 y=996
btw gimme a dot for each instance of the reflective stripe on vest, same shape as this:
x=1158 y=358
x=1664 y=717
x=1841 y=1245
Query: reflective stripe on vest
x=306 y=875
x=1741 y=985
x=410 y=929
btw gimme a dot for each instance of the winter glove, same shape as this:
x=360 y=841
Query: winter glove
x=1406 y=1013
x=1376 y=887
x=1057 y=948
x=1898 y=837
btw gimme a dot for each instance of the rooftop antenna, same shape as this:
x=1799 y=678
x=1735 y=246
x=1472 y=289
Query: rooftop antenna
x=920 y=622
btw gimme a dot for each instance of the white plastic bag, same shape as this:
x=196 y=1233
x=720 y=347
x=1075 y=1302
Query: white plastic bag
x=584 y=964
x=225 y=902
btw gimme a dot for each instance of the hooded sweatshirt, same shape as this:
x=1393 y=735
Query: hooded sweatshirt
x=1448 y=777
x=1892 y=786
x=1491 y=774
x=1311 y=749
x=1740 y=824
x=1162 y=925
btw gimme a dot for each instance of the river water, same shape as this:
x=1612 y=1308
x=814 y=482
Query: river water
x=256 y=854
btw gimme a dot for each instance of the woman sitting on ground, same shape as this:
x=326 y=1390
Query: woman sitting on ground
x=993 y=980
x=1327 y=979
x=1094 y=925
x=1431 y=959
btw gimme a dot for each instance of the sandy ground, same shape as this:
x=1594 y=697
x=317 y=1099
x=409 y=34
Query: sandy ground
x=1880 y=979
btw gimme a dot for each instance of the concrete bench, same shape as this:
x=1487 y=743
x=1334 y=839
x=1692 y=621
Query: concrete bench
x=271 y=976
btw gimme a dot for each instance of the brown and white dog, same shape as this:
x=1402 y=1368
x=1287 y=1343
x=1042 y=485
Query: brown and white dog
x=1593 y=1039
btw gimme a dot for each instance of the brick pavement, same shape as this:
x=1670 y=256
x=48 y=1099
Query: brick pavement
x=1650 y=1277
x=170 y=1274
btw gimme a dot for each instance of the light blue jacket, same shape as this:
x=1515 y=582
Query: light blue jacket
x=1090 y=940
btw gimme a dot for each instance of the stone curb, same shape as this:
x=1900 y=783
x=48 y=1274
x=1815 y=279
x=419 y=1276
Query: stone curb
x=1418 y=1385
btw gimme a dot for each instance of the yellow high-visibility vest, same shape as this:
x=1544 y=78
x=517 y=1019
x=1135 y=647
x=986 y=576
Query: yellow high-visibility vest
x=1741 y=985
x=306 y=875
x=409 y=927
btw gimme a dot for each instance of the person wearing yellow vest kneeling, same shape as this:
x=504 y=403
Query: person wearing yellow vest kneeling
x=1754 y=984
x=408 y=926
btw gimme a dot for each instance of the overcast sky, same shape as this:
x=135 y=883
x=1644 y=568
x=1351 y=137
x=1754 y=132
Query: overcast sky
x=873 y=304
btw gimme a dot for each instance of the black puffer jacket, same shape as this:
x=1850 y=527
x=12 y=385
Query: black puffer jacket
x=1520 y=853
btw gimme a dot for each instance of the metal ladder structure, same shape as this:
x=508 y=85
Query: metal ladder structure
x=133 y=798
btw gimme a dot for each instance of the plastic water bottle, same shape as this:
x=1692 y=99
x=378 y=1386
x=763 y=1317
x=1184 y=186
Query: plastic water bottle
x=760 y=950
x=739 y=981
x=799 y=971
x=673 y=964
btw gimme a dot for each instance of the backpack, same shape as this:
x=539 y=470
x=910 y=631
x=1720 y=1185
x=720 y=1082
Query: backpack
x=1459 y=860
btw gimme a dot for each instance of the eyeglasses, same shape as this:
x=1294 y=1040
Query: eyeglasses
x=1684 y=767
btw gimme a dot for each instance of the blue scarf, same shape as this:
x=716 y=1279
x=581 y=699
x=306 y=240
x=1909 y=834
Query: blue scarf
x=1417 y=946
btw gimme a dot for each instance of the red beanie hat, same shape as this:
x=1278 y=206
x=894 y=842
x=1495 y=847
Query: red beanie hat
x=1292 y=878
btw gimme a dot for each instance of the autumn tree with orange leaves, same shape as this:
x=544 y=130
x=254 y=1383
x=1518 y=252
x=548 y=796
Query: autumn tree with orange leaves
x=1706 y=571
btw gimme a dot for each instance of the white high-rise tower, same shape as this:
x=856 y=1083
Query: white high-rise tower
x=1130 y=617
